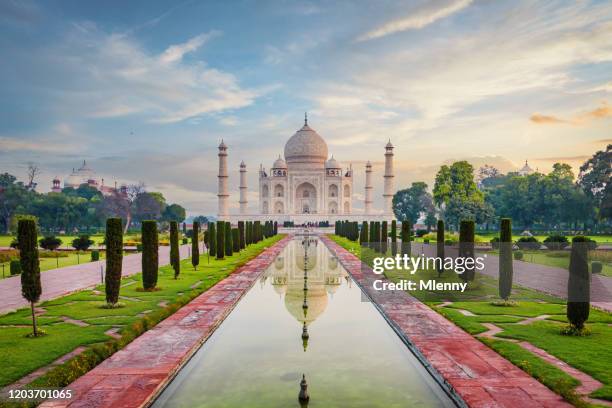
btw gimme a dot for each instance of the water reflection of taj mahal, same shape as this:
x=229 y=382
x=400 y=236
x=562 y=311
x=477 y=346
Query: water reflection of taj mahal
x=323 y=277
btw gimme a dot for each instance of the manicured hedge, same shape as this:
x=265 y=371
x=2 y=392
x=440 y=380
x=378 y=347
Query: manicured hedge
x=150 y=254
x=114 y=259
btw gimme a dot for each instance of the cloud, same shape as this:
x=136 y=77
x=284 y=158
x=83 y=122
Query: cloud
x=604 y=111
x=98 y=75
x=563 y=158
x=176 y=52
x=605 y=141
x=62 y=138
x=416 y=21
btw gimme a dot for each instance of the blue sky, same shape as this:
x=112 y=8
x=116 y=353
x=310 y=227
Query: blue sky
x=144 y=90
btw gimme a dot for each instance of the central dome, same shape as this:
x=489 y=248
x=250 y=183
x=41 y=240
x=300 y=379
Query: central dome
x=306 y=146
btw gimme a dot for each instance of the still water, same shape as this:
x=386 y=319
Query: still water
x=349 y=355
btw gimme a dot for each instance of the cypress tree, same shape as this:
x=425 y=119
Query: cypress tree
x=275 y=228
x=150 y=254
x=31 y=288
x=505 y=258
x=212 y=237
x=365 y=234
x=405 y=237
x=393 y=237
x=257 y=231
x=578 y=285
x=337 y=228
x=175 y=259
x=195 y=245
x=440 y=246
x=249 y=233
x=384 y=235
x=114 y=259
x=220 y=251
x=372 y=228
x=466 y=247
x=229 y=245
x=377 y=238
x=241 y=236
x=236 y=239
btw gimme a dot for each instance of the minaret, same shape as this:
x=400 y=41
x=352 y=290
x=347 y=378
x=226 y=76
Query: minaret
x=388 y=193
x=223 y=195
x=243 y=189
x=368 y=189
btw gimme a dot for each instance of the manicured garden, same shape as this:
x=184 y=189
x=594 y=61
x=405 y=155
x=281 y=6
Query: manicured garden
x=81 y=319
x=471 y=311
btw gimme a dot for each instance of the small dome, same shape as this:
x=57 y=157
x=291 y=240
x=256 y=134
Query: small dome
x=332 y=164
x=306 y=146
x=279 y=163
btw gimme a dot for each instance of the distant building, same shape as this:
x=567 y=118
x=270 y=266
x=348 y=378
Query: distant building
x=525 y=170
x=85 y=175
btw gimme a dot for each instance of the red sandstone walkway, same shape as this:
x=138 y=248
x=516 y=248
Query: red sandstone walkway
x=62 y=281
x=133 y=376
x=480 y=376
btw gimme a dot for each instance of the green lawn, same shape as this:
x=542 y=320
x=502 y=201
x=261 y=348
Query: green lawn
x=47 y=264
x=21 y=355
x=591 y=354
x=5 y=240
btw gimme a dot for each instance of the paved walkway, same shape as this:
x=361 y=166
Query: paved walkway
x=480 y=376
x=543 y=278
x=134 y=376
x=62 y=281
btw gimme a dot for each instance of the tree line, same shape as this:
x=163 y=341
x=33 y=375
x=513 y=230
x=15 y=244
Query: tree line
x=82 y=208
x=557 y=200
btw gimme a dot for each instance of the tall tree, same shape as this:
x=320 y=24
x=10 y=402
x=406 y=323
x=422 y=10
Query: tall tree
x=440 y=242
x=174 y=212
x=175 y=258
x=31 y=288
x=150 y=254
x=466 y=247
x=410 y=203
x=195 y=245
x=114 y=259
x=594 y=179
x=579 y=284
x=505 y=259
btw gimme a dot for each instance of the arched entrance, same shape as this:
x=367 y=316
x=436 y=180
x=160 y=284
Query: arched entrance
x=306 y=199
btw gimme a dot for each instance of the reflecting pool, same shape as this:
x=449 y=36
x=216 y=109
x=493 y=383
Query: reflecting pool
x=304 y=319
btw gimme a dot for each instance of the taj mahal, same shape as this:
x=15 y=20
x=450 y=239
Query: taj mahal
x=307 y=185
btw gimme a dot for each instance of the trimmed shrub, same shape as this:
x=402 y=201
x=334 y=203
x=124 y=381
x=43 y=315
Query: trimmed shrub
x=229 y=244
x=384 y=237
x=139 y=247
x=236 y=239
x=556 y=242
x=195 y=245
x=518 y=255
x=14 y=243
x=256 y=231
x=220 y=254
x=365 y=233
x=30 y=266
x=466 y=247
x=212 y=237
x=82 y=243
x=426 y=241
x=494 y=242
x=405 y=237
x=393 y=235
x=578 y=285
x=185 y=240
x=15 y=267
x=95 y=255
x=440 y=246
x=505 y=259
x=275 y=228
x=114 y=259
x=528 y=243
x=50 y=243
x=150 y=255
x=241 y=234
x=596 y=267
x=248 y=233
x=175 y=258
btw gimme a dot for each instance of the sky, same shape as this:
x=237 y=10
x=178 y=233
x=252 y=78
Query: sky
x=145 y=90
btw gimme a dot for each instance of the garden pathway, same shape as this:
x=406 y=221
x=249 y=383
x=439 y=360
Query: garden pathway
x=480 y=376
x=543 y=278
x=62 y=281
